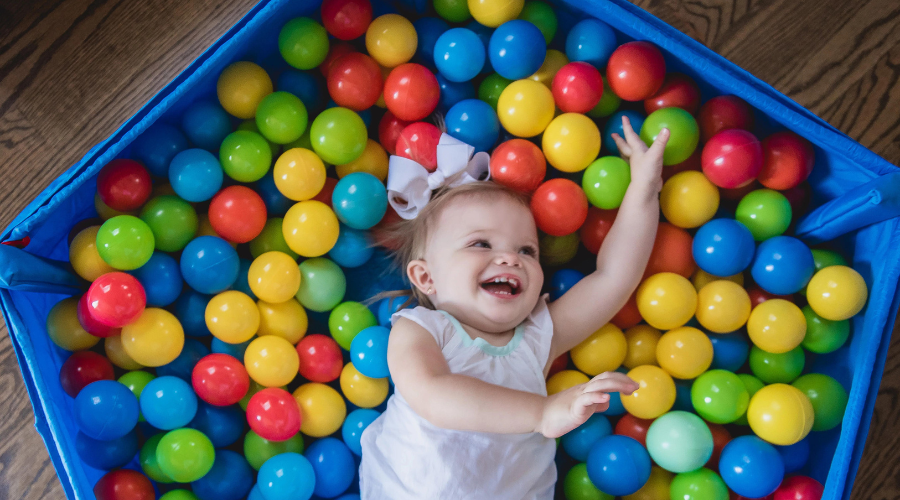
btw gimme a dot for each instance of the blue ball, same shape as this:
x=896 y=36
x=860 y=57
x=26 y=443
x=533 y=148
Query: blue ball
x=305 y=85
x=161 y=279
x=107 y=455
x=277 y=204
x=618 y=465
x=428 y=30
x=223 y=425
x=368 y=352
x=578 y=443
x=484 y=34
x=591 y=41
x=242 y=283
x=168 y=403
x=517 y=49
x=683 y=397
x=190 y=309
x=234 y=350
x=333 y=466
x=474 y=122
x=156 y=147
x=106 y=410
x=349 y=496
x=387 y=307
x=359 y=200
x=354 y=425
x=183 y=366
x=195 y=175
x=209 y=264
x=231 y=478
x=562 y=281
x=615 y=405
x=783 y=265
x=453 y=92
x=730 y=351
x=255 y=494
x=723 y=247
x=206 y=123
x=353 y=247
x=795 y=455
x=751 y=467
x=614 y=125
x=459 y=55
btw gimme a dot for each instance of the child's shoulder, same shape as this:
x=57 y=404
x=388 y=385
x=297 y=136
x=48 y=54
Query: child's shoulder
x=434 y=322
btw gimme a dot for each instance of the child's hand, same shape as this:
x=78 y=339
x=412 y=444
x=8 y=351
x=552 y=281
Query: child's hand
x=566 y=410
x=646 y=163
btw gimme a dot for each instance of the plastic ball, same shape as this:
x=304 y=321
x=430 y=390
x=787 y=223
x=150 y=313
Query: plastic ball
x=783 y=265
x=183 y=365
x=374 y=160
x=223 y=425
x=359 y=200
x=719 y=396
x=722 y=113
x=303 y=43
x=220 y=380
x=232 y=317
x=411 y=92
x=723 y=247
x=368 y=352
x=273 y=414
x=689 y=200
x=287 y=320
x=828 y=398
x=525 y=108
x=454 y=11
x=271 y=239
x=684 y=133
x=671 y=252
x=346 y=19
x=641 y=341
x=491 y=87
x=115 y=351
x=559 y=207
x=83 y=368
x=777 y=367
x=702 y=278
x=571 y=142
x=493 y=14
x=391 y=39
x=614 y=125
x=156 y=147
x=168 y=403
x=195 y=175
x=578 y=442
x=605 y=181
x=656 y=393
x=271 y=361
x=209 y=264
x=240 y=88
x=322 y=407
x=666 y=300
x=591 y=41
x=281 y=118
x=115 y=299
x=577 y=87
x=732 y=158
x=362 y=391
x=322 y=284
x=565 y=379
x=780 y=414
x=794 y=456
x=679 y=442
x=557 y=250
x=310 y=228
x=459 y=54
x=338 y=135
x=288 y=476
x=185 y=455
x=333 y=465
x=823 y=335
x=518 y=164
x=517 y=49
x=799 y=488
x=595 y=228
x=105 y=410
x=701 y=483
x=578 y=486
x=603 y=351
x=618 y=465
x=299 y=174
x=633 y=427
x=124 y=185
x=636 y=70
x=274 y=277
x=258 y=449
x=122 y=484
x=355 y=81
x=237 y=213
x=172 y=220
x=419 y=142
x=154 y=339
x=85 y=258
x=474 y=122
x=777 y=326
x=161 y=279
x=355 y=424
x=730 y=351
x=684 y=352
x=107 y=454
x=787 y=160
x=722 y=306
x=562 y=281
x=125 y=242
x=751 y=467
x=837 y=293
x=229 y=479
x=678 y=91
x=428 y=31
x=65 y=330
x=206 y=123
x=766 y=213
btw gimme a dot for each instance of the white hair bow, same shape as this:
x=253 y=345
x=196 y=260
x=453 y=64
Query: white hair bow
x=409 y=184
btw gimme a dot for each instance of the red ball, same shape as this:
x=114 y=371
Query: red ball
x=799 y=198
x=672 y=252
x=327 y=190
x=736 y=194
x=320 y=358
x=411 y=92
x=81 y=369
x=758 y=296
x=389 y=129
x=732 y=158
x=518 y=164
x=559 y=364
x=346 y=19
x=90 y=324
x=124 y=185
x=115 y=299
x=629 y=315
x=636 y=71
x=633 y=427
x=799 y=488
x=124 y=484
x=692 y=163
x=734 y=496
x=722 y=113
x=787 y=160
x=678 y=91
x=721 y=437
x=355 y=82
x=237 y=214
x=577 y=87
x=334 y=53
x=596 y=226
x=220 y=379
x=559 y=206
x=274 y=414
x=419 y=142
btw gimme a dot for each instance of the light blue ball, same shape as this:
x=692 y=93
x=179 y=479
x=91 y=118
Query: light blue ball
x=474 y=122
x=333 y=465
x=517 y=49
x=288 y=476
x=751 y=467
x=783 y=265
x=209 y=264
x=230 y=478
x=354 y=425
x=723 y=247
x=359 y=200
x=578 y=442
x=618 y=465
x=484 y=34
x=615 y=405
x=168 y=403
x=157 y=146
x=591 y=41
x=353 y=247
x=206 y=123
x=459 y=55
x=368 y=352
x=196 y=175
x=614 y=125
x=255 y=494
x=106 y=410
x=387 y=307
x=161 y=279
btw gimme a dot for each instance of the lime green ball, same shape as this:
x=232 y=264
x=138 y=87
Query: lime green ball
x=281 y=117
x=826 y=258
x=684 y=133
x=719 y=396
x=271 y=239
x=173 y=221
x=303 y=142
x=491 y=87
x=322 y=284
x=605 y=182
x=245 y=156
x=774 y=368
x=250 y=126
x=558 y=250
x=125 y=242
x=701 y=484
x=753 y=385
x=303 y=43
x=828 y=398
x=823 y=335
x=454 y=11
x=149 y=464
x=578 y=485
x=258 y=449
x=347 y=320
x=765 y=212
x=179 y=495
x=609 y=103
x=541 y=15
x=185 y=455
x=338 y=135
x=135 y=381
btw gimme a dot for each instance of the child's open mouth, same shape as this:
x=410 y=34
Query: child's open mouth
x=502 y=286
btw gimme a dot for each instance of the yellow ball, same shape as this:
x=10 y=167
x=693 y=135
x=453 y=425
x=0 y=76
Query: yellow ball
x=85 y=258
x=363 y=391
x=241 y=86
x=666 y=300
x=271 y=361
x=641 y=340
x=115 y=351
x=553 y=61
x=723 y=306
x=287 y=320
x=565 y=379
x=603 y=351
x=65 y=330
x=322 y=409
x=702 y=278
x=310 y=228
x=299 y=174
x=274 y=277
x=688 y=199
x=571 y=142
x=655 y=394
x=154 y=339
x=656 y=488
x=232 y=317
x=391 y=40
x=374 y=160
x=106 y=213
x=558 y=250
x=493 y=13
x=684 y=352
x=780 y=414
x=837 y=293
x=525 y=108
x=777 y=326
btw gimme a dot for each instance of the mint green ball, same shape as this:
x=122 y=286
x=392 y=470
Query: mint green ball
x=322 y=284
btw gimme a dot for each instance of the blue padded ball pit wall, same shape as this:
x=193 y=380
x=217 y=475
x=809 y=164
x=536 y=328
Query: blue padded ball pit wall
x=856 y=201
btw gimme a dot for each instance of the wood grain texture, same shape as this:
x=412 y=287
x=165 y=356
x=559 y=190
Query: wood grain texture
x=72 y=71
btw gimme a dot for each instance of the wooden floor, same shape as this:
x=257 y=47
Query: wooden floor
x=71 y=71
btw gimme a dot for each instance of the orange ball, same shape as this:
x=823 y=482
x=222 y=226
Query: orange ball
x=671 y=252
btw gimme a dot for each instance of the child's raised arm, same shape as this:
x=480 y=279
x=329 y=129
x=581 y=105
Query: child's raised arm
x=594 y=300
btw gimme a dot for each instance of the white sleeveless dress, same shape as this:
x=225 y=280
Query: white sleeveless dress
x=405 y=457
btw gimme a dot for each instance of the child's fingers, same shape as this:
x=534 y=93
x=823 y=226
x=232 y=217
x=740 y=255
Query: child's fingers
x=660 y=143
x=623 y=146
x=611 y=382
x=630 y=134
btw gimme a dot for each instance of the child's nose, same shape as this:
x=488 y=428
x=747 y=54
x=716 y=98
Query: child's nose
x=508 y=259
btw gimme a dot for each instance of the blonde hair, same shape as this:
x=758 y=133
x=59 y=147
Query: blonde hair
x=407 y=239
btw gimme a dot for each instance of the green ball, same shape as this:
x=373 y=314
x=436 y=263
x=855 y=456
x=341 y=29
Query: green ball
x=823 y=335
x=578 y=485
x=173 y=221
x=609 y=103
x=753 y=385
x=701 y=484
x=258 y=449
x=347 y=320
x=303 y=142
x=684 y=133
x=125 y=242
x=774 y=368
x=281 y=117
x=338 y=135
x=149 y=464
x=303 y=43
x=185 y=455
x=541 y=15
x=245 y=156
x=765 y=212
x=454 y=11
x=828 y=398
x=605 y=182
x=491 y=87
x=179 y=495
x=322 y=284
x=271 y=239
x=135 y=381
x=826 y=258
x=558 y=250
x=679 y=441
x=250 y=126
x=719 y=396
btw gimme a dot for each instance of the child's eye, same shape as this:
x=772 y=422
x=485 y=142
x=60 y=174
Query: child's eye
x=529 y=251
x=481 y=244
